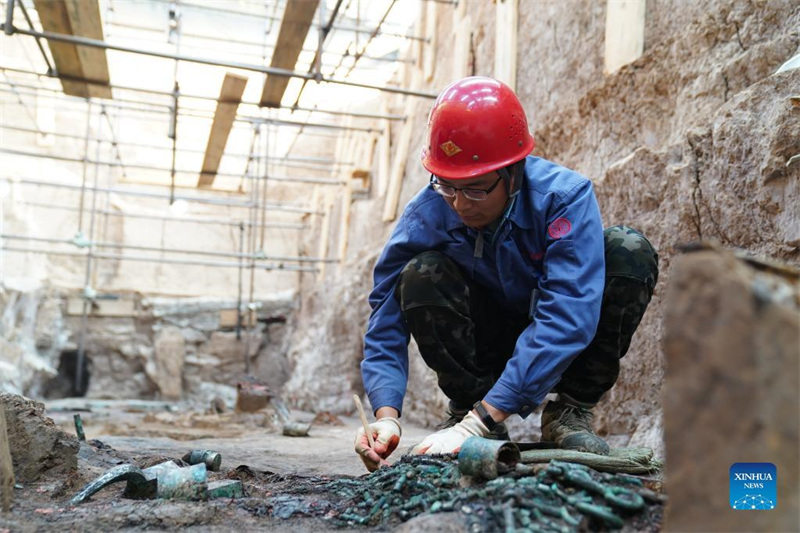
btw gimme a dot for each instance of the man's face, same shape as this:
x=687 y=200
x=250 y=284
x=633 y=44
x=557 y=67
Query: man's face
x=478 y=213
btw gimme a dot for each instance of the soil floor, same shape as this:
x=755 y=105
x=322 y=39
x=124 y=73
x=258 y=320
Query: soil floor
x=253 y=449
x=304 y=484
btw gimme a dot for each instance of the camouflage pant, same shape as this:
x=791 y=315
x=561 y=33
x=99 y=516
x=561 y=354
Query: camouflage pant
x=466 y=336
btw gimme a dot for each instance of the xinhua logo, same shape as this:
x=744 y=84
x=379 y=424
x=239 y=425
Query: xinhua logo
x=754 y=486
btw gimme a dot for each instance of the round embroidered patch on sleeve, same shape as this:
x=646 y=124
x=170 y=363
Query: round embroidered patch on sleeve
x=559 y=228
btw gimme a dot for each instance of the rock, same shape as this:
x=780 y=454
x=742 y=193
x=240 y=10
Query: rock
x=193 y=336
x=251 y=396
x=217 y=405
x=49 y=330
x=732 y=393
x=11 y=380
x=38 y=447
x=438 y=522
x=170 y=350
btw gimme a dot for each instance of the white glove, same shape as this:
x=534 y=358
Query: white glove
x=386 y=431
x=450 y=440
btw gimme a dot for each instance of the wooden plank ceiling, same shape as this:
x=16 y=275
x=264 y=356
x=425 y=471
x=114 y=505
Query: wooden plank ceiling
x=80 y=18
x=297 y=17
x=230 y=95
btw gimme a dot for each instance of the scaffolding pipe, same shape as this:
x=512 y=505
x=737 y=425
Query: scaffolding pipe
x=85 y=162
x=316 y=64
x=212 y=201
x=371 y=36
x=251 y=242
x=95 y=43
x=86 y=303
x=201 y=43
x=239 y=292
x=113 y=141
x=260 y=226
x=119 y=257
x=190 y=220
x=173 y=134
x=310 y=161
x=9 y=25
x=163 y=249
x=32 y=91
x=209 y=115
x=198 y=96
x=287 y=179
x=38 y=39
x=354 y=29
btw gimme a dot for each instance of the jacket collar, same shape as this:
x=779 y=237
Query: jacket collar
x=522 y=212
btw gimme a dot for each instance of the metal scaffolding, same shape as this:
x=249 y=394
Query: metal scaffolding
x=118 y=163
x=203 y=113
x=190 y=96
x=95 y=43
x=258 y=255
x=106 y=153
x=197 y=199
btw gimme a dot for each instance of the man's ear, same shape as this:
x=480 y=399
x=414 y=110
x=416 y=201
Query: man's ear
x=513 y=177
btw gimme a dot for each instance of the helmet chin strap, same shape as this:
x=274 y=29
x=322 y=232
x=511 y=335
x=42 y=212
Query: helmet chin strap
x=512 y=175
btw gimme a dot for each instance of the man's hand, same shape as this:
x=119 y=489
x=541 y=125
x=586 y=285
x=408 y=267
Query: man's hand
x=386 y=431
x=450 y=440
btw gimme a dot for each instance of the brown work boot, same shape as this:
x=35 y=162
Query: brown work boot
x=456 y=414
x=570 y=426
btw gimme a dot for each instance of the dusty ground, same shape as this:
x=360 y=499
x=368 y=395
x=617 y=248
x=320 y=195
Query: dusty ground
x=252 y=449
x=311 y=483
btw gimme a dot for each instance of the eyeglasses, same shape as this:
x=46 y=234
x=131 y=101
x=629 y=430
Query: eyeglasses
x=448 y=191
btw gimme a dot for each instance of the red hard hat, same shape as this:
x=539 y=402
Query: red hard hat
x=476 y=125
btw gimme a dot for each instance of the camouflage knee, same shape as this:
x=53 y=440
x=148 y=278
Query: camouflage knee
x=631 y=275
x=629 y=254
x=432 y=278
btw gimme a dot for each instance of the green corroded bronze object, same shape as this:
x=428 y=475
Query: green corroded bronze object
x=296 y=429
x=226 y=488
x=188 y=483
x=139 y=485
x=487 y=458
x=561 y=497
x=212 y=459
x=79 y=427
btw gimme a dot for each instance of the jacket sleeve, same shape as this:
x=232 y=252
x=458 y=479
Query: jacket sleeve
x=384 y=368
x=568 y=308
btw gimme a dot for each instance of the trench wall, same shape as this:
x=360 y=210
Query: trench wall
x=688 y=142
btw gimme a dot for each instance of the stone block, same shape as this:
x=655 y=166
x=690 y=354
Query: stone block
x=731 y=395
x=119 y=307
x=168 y=359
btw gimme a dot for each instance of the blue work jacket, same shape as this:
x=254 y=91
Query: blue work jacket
x=546 y=258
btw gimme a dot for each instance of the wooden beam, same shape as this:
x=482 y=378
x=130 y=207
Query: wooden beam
x=297 y=17
x=344 y=226
x=85 y=19
x=384 y=151
x=324 y=236
x=230 y=95
x=505 y=49
x=432 y=43
x=461 y=48
x=624 y=32
x=399 y=164
x=80 y=18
